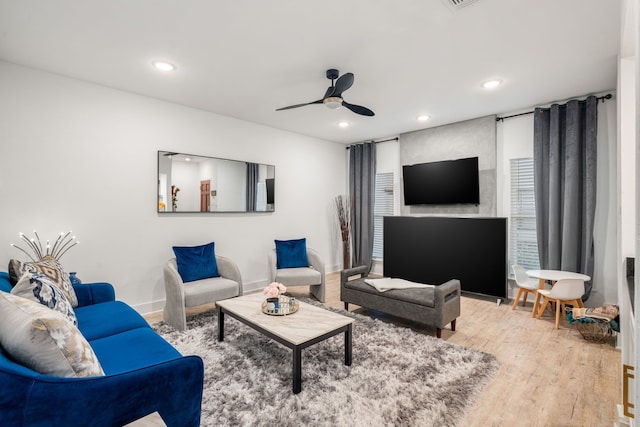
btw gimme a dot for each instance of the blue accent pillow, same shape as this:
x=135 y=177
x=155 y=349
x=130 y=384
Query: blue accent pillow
x=292 y=253
x=196 y=262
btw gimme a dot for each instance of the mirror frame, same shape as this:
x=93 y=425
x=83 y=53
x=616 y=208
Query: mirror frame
x=222 y=184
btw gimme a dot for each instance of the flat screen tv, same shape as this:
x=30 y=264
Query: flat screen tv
x=442 y=183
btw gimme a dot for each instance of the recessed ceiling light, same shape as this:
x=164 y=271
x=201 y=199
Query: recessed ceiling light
x=343 y=124
x=163 y=66
x=491 y=84
x=422 y=118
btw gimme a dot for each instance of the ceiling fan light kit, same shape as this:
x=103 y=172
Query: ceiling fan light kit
x=333 y=96
x=333 y=102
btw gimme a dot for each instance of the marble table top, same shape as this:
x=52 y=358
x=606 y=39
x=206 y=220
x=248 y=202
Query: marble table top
x=307 y=323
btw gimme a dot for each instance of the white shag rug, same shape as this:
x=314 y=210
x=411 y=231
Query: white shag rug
x=398 y=377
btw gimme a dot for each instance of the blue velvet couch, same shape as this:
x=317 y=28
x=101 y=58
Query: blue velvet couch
x=143 y=373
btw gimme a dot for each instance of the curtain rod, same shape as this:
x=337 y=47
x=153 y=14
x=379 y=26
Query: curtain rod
x=376 y=142
x=600 y=98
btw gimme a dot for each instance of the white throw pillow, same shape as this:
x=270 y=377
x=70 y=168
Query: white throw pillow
x=44 y=340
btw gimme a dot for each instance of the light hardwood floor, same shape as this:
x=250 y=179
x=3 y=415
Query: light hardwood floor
x=547 y=377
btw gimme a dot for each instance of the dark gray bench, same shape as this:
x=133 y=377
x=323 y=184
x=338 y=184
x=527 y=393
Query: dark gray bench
x=434 y=306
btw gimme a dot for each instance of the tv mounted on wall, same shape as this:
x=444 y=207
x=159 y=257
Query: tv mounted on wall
x=442 y=183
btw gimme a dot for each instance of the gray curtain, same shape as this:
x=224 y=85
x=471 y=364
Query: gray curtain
x=565 y=155
x=362 y=182
x=252 y=186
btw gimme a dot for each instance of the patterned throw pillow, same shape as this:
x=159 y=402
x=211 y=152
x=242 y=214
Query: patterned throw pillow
x=14 y=271
x=43 y=340
x=40 y=288
x=48 y=266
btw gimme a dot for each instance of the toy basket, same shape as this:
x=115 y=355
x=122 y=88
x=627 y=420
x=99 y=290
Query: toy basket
x=595 y=330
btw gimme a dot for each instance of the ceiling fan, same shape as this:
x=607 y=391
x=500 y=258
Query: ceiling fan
x=333 y=96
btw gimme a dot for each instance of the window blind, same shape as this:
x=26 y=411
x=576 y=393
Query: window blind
x=524 y=242
x=383 y=207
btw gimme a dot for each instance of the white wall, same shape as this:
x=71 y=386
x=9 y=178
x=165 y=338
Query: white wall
x=232 y=184
x=183 y=176
x=627 y=231
x=388 y=160
x=627 y=155
x=514 y=141
x=605 y=288
x=470 y=138
x=629 y=204
x=82 y=157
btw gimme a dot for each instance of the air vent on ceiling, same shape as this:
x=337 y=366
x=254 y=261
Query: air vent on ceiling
x=458 y=4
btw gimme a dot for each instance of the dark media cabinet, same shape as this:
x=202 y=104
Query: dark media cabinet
x=434 y=250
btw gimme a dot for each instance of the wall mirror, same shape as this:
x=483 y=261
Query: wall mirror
x=189 y=183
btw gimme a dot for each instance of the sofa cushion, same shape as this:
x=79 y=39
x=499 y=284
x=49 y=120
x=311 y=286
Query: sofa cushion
x=208 y=290
x=40 y=288
x=292 y=253
x=50 y=267
x=420 y=296
x=196 y=262
x=298 y=276
x=107 y=318
x=44 y=340
x=131 y=350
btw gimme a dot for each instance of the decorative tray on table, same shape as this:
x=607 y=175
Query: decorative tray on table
x=280 y=306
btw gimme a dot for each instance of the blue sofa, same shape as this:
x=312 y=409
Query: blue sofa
x=143 y=373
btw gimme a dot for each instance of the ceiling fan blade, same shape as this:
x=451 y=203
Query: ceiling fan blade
x=358 y=109
x=343 y=83
x=319 y=101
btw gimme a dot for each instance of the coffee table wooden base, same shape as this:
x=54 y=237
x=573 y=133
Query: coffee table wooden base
x=297 y=348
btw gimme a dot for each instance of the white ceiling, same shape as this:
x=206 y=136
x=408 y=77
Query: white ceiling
x=245 y=58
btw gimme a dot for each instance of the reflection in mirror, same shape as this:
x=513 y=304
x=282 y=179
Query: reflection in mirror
x=188 y=183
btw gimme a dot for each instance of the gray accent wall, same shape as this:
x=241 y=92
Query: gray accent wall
x=471 y=138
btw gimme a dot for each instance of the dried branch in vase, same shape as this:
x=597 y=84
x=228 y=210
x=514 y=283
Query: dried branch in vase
x=343 y=210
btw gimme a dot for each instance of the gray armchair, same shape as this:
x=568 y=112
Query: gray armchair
x=313 y=275
x=181 y=295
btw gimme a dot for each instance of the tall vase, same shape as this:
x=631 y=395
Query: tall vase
x=73 y=278
x=346 y=254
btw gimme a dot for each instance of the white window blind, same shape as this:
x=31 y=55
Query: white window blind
x=383 y=207
x=524 y=242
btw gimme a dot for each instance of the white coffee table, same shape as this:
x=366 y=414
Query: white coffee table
x=297 y=331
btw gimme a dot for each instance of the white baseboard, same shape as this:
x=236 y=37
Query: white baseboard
x=149 y=307
x=254 y=286
x=335 y=268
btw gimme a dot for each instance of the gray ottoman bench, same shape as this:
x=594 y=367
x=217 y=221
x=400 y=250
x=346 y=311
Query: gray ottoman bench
x=434 y=306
